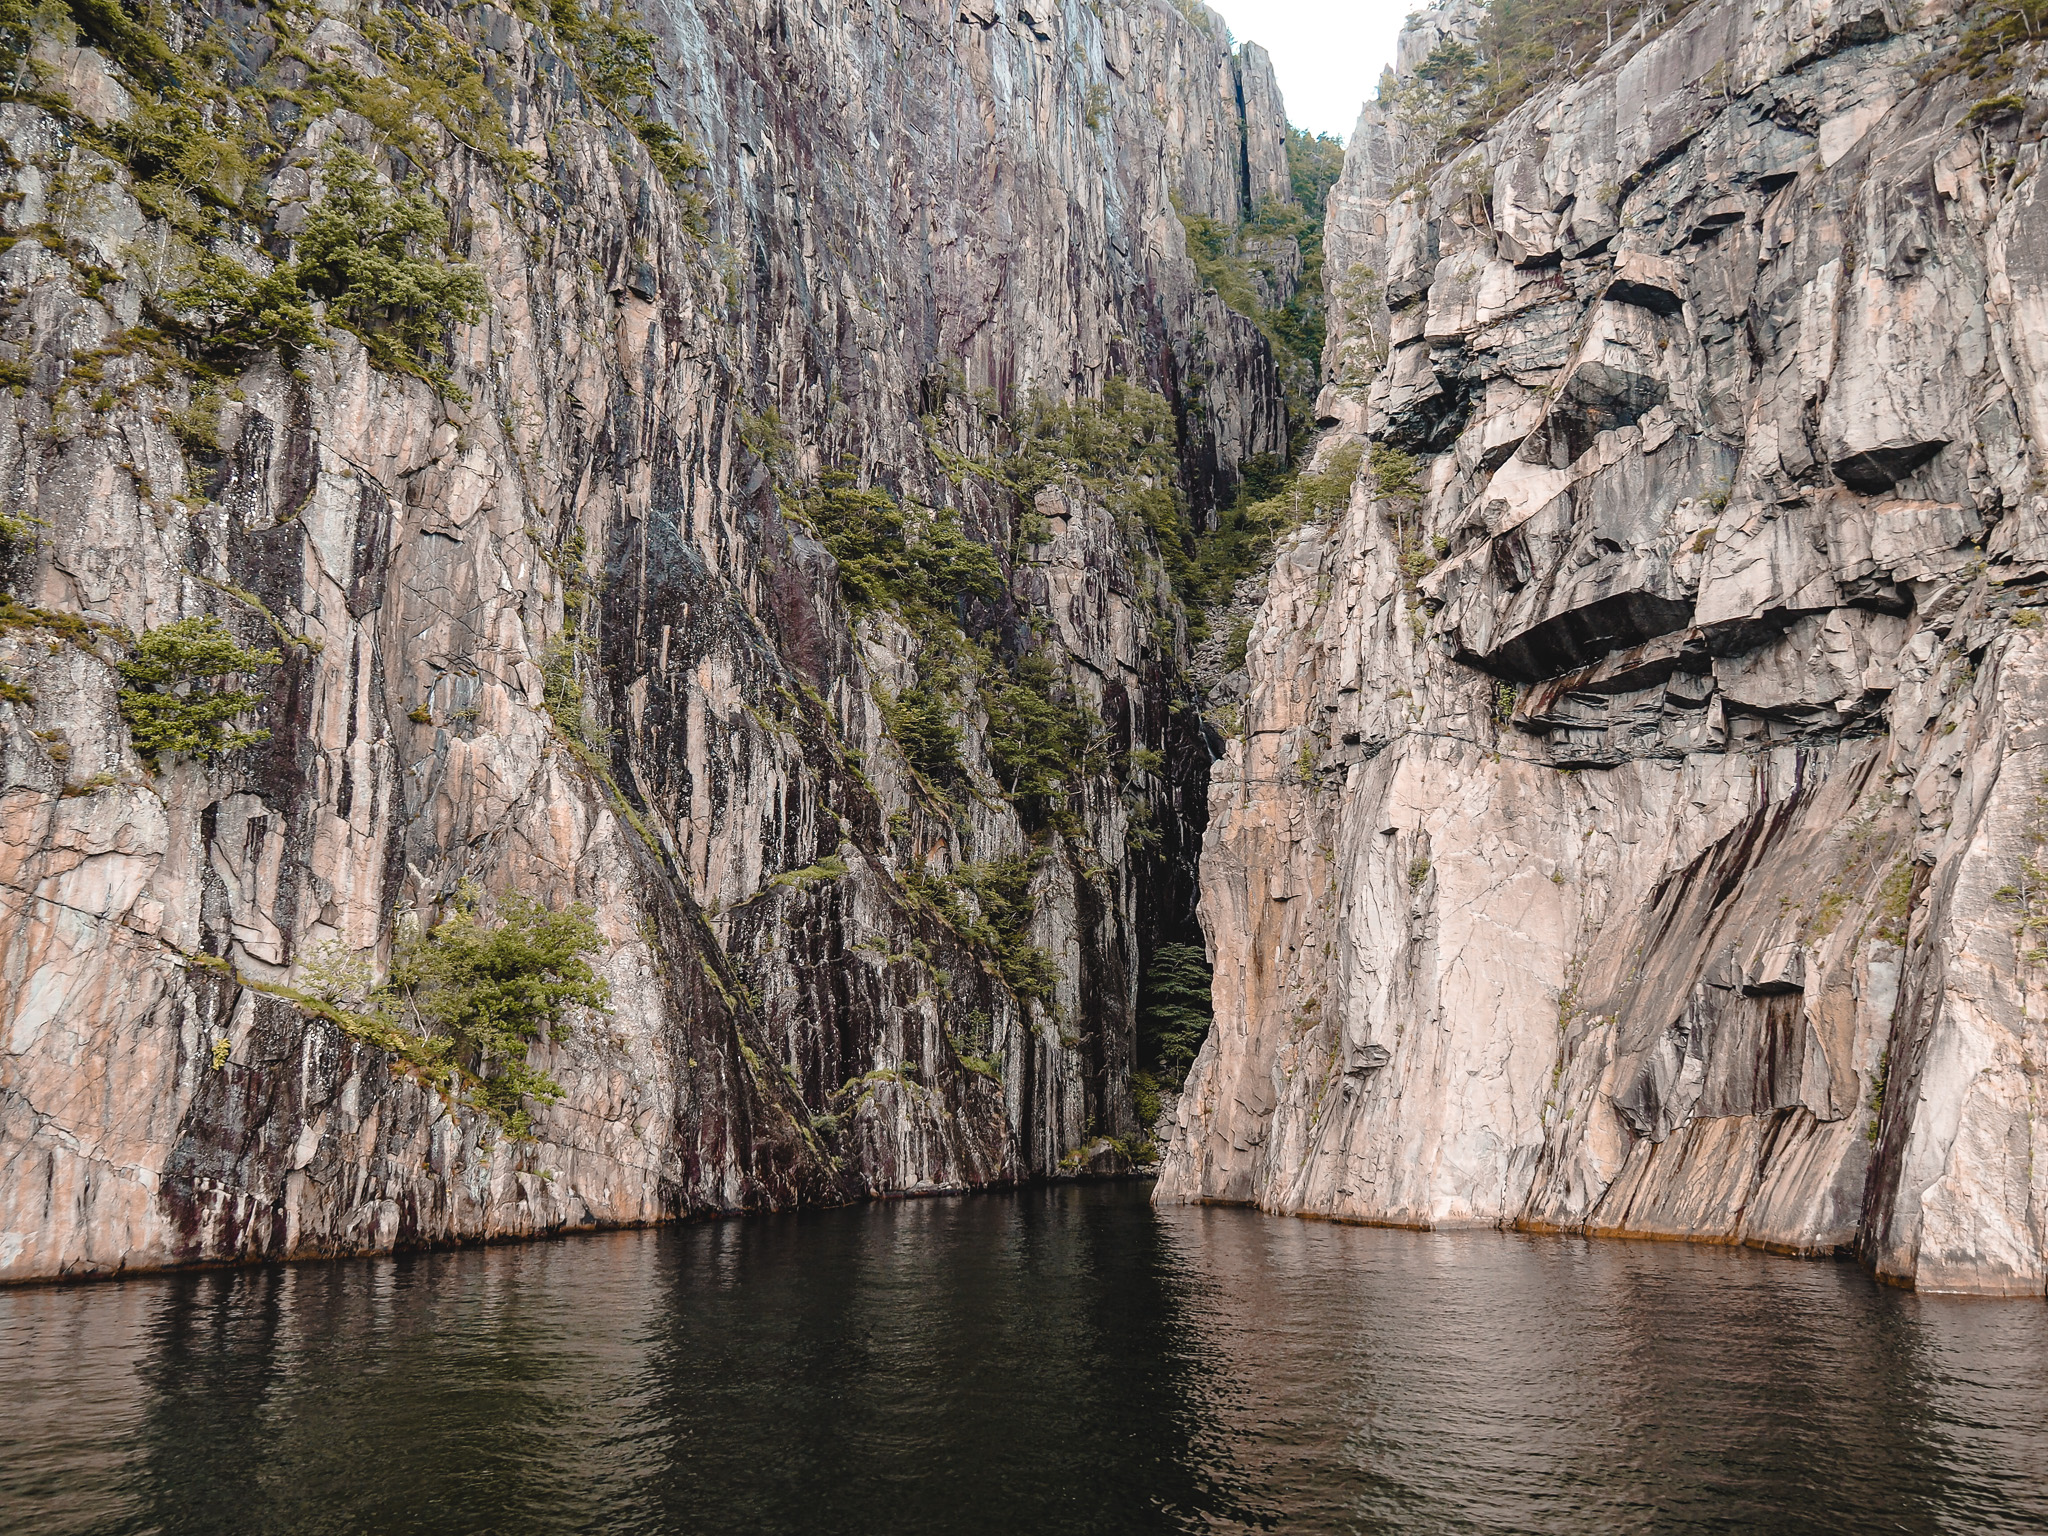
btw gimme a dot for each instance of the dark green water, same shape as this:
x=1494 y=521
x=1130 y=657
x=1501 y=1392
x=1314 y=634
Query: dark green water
x=1052 y=1361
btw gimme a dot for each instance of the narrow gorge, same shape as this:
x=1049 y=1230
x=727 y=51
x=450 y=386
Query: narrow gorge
x=615 y=615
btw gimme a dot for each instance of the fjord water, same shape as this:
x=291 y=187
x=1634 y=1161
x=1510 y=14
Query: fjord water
x=1046 y=1361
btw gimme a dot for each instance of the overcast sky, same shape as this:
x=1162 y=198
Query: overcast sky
x=1327 y=53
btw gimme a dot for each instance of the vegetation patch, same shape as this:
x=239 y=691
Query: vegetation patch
x=1877 y=1087
x=212 y=124
x=1038 y=745
x=1997 y=34
x=18 y=531
x=922 y=566
x=1864 y=845
x=917 y=563
x=1145 y=1098
x=1240 y=261
x=615 y=60
x=470 y=997
x=563 y=658
x=1244 y=535
x=998 y=918
x=1121 y=447
x=377 y=260
x=178 y=701
x=1460 y=90
x=921 y=719
x=1397 y=478
x=810 y=877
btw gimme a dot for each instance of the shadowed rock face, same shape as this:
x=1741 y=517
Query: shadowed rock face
x=1659 y=852
x=913 y=218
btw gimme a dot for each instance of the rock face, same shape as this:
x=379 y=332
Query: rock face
x=911 y=220
x=1637 y=818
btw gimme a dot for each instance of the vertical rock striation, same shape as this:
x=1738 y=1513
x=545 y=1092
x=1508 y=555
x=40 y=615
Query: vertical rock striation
x=563 y=626
x=1636 y=820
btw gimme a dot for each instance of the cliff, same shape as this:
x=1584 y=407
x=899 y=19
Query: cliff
x=1635 y=823
x=596 y=443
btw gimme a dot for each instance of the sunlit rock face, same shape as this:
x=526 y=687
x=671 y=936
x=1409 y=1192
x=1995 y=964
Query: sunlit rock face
x=911 y=220
x=1638 y=828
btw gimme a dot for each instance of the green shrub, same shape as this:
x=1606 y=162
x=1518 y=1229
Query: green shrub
x=614 y=57
x=1216 y=250
x=828 y=869
x=1459 y=91
x=764 y=436
x=135 y=45
x=1394 y=472
x=360 y=250
x=239 y=308
x=1119 y=445
x=74 y=628
x=981 y=1066
x=562 y=689
x=1245 y=532
x=1145 y=1098
x=464 y=1001
x=1875 y=1126
x=1895 y=902
x=672 y=153
x=337 y=974
x=1992 y=108
x=22 y=24
x=921 y=719
x=1990 y=45
x=492 y=990
x=614 y=54
x=1123 y=448
x=1000 y=921
x=18 y=530
x=1036 y=746
x=429 y=73
x=378 y=260
x=1231 y=259
x=176 y=702
x=891 y=560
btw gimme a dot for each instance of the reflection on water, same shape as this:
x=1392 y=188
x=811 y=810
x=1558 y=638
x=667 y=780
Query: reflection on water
x=1056 y=1360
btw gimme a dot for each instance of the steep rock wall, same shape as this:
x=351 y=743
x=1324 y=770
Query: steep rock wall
x=1635 y=822
x=912 y=218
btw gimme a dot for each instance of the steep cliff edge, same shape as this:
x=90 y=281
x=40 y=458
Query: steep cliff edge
x=1636 y=819
x=723 y=560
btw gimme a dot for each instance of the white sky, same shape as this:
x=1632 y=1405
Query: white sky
x=1327 y=53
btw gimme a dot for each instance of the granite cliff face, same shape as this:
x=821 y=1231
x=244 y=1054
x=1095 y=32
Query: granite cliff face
x=1636 y=820
x=561 y=624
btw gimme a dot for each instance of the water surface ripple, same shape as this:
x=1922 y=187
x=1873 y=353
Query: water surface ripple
x=1048 y=1361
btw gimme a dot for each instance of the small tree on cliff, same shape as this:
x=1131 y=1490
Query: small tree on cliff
x=177 y=701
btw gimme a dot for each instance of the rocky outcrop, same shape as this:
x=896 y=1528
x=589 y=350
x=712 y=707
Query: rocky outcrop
x=1636 y=820
x=562 y=627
